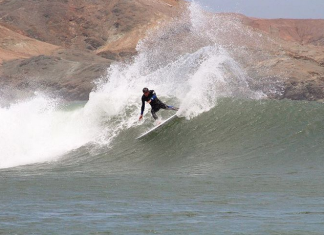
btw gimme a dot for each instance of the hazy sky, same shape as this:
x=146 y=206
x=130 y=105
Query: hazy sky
x=302 y=9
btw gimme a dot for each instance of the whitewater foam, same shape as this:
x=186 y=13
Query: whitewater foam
x=36 y=130
x=181 y=61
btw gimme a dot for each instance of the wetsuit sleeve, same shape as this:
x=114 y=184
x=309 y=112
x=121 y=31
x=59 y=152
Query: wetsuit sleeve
x=143 y=106
x=153 y=96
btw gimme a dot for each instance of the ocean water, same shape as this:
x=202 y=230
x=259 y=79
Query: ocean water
x=234 y=162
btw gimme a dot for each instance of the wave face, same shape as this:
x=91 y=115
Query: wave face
x=189 y=63
x=262 y=136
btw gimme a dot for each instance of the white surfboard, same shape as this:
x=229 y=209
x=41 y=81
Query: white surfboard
x=158 y=126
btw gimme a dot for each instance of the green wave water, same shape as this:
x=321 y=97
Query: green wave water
x=261 y=133
x=244 y=167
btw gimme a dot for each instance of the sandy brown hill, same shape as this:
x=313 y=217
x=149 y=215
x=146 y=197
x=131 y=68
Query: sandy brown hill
x=15 y=46
x=303 y=31
x=63 y=45
x=28 y=64
x=297 y=55
x=106 y=26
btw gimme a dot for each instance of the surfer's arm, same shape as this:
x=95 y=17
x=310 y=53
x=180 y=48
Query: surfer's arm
x=142 y=109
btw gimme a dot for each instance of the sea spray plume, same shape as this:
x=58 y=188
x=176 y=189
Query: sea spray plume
x=246 y=46
x=188 y=64
x=182 y=61
x=186 y=55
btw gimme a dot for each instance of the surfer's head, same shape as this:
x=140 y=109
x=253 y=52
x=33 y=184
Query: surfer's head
x=146 y=91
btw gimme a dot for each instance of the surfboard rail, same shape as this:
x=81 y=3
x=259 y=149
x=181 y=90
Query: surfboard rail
x=158 y=126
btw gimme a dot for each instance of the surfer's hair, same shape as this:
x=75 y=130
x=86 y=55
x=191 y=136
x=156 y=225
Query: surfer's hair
x=145 y=89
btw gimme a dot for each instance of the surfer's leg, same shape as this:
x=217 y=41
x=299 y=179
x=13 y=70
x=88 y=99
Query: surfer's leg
x=169 y=107
x=154 y=114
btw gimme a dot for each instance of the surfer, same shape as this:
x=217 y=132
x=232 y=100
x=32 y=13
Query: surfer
x=150 y=97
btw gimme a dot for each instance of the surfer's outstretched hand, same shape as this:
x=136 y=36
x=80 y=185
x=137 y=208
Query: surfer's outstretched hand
x=140 y=118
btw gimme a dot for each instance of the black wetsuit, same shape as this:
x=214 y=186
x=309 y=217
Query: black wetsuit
x=156 y=104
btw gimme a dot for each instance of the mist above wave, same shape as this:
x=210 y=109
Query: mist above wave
x=186 y=62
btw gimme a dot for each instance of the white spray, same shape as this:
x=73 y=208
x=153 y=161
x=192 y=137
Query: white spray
x=184 y=67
